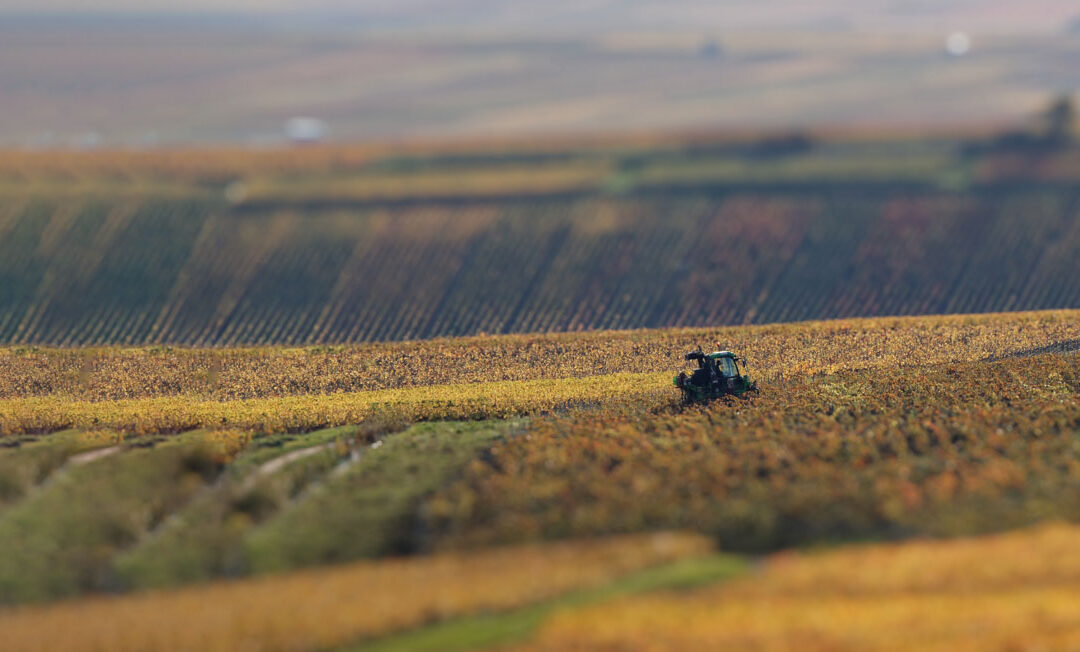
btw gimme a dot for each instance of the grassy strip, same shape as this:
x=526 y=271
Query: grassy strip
x=298 y=515
x=205 y=539
x=492 y=629
x=59 y=541
x=179 y=512
x=370 y=508
x=26 y=462
x=465 y=401
x=267 y=448
x=497 y=181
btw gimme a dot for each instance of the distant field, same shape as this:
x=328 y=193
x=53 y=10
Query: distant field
x=142 y=83
x=344 y=245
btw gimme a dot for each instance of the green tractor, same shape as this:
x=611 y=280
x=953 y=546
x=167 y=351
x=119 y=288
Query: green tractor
x=717 y=375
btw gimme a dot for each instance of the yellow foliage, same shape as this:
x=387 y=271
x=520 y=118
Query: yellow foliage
x=504 y=180
x=775 y=351
x=97 y=438
x=301 y=413
x=1019 y=590
x=227 y=443
x=323 y=608
x=960 y=448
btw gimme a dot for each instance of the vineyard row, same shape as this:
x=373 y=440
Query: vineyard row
x=193 y=273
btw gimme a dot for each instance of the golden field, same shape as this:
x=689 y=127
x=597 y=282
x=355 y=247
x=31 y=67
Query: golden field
x=774 y=351
x=1015 y=591
x=322 y=608
x=291 y=390
x=498 y=400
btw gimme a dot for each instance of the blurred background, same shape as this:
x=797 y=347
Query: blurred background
x=284 y=173
x=151 y=72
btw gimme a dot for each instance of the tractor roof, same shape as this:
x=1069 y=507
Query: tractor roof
x=720 y=354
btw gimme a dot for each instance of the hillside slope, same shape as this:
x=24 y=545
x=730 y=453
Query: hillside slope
x=399 y=249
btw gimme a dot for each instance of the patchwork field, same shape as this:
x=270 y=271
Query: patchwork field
x=322 y=475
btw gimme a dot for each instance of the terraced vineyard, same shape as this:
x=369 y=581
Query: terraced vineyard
x=374 y=245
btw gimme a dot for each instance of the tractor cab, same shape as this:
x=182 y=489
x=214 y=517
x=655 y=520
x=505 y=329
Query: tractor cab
x=717 y=374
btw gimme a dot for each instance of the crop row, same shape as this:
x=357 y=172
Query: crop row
x=197 y=272
x=174 y=414
x=774 y=351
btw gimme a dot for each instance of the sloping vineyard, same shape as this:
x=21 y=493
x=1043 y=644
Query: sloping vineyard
x=76 y=272
x=367 y=244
